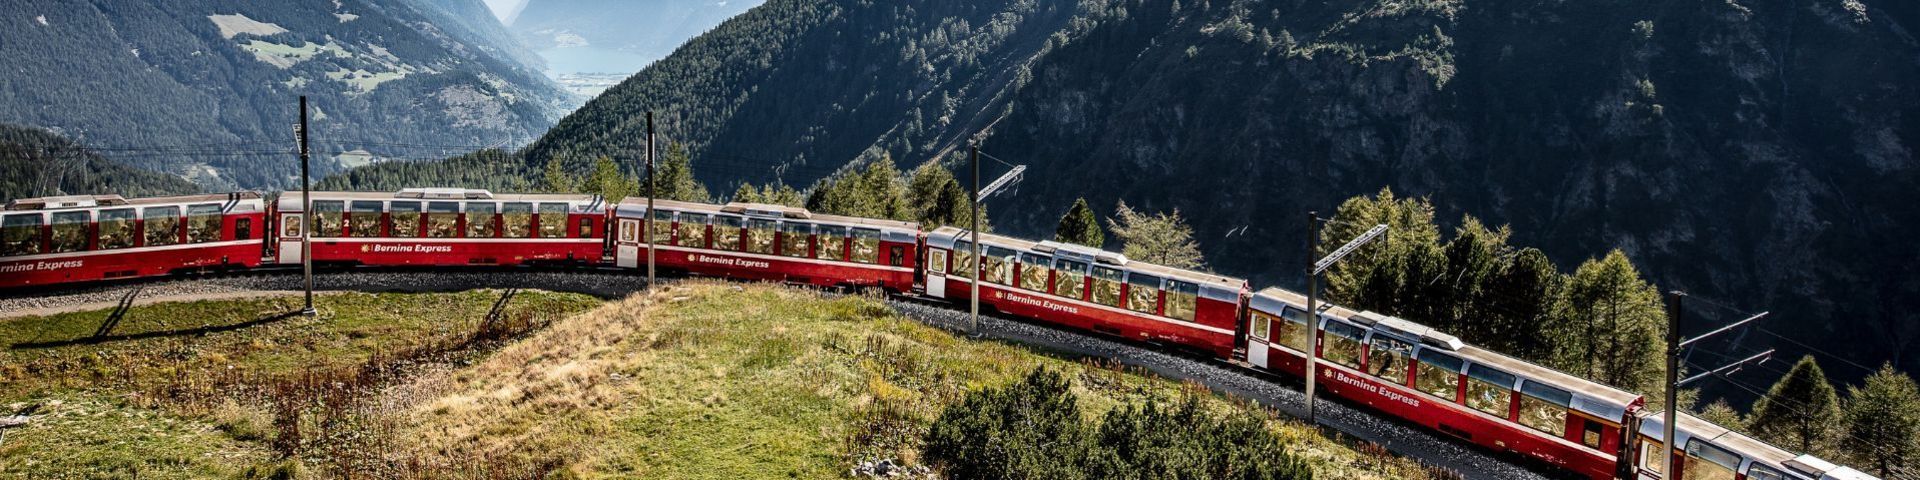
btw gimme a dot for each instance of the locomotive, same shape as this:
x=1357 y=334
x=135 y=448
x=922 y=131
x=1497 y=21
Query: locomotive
x=1391 y=365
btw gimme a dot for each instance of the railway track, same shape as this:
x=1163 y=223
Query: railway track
x=1278 y=393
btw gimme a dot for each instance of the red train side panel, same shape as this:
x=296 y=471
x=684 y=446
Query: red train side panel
x=58 y=240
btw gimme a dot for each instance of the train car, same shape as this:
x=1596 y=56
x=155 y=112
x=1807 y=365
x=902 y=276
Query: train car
x=767 y=242
x=1711 y=452
x=1431 y=378
x=443 y=227
x=55 y=240
x=1088 y=289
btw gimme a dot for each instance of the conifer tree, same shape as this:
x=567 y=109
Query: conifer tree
x=1723 y=415
x=1801 y=411
x=1883 y=423
x=1399 y=273
x=556 y=179
x=675 y=177
x=1519 y=305
x=1079 y=225
x=779 y=193
x=746 y=193
x=609 y=182
x=1611 y=325
x=1160 y=239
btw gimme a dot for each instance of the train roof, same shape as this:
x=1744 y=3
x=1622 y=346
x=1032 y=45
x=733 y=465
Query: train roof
x=1589 y=396
x=290 y=201
x=765 y=210
x=1690 y=427
x=68 y=202
x=947 y=236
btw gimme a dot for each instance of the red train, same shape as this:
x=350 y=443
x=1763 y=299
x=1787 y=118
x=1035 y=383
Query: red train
x=1394 y=366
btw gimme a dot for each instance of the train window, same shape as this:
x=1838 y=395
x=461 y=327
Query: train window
x=794 y=239
x=163 y=225
x=1389 y=358
x=1106 y=285
x=443 y=219
x=1544 y=407
x=1143 y=293
x=1590 y=433
x=203 y=223
x=726 y=233
x=866 y=245
x=1763 y=472
x=1183 y=298
x=963 y=260
x=1342 y=344
x=1650 y=457
x=69 y=231
x=20 y=234
x=1070 y=279
x=1297 y=331
x=660 y=228
x=516 y=220
x=997 y=265
x=403 y=219
x=553 y=220
x=1707 y=462
x=1033 y=272
x=692 y=230
x=897 y=255
x=480 y=220
x=832 y=240
x=760 y=236
x=1262 y=325
x=586 y=227
x=629 y=231
x=1438 y=374
x=363 y=218
x=937 y=260
x=1489 y=390
x=116 y=228
x=327 y=219
x=243 y=229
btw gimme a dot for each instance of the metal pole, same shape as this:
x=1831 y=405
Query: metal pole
x=1673 y=380
x=650 y=214
x=973 y=325
x=306 y=210
x=1313 y=310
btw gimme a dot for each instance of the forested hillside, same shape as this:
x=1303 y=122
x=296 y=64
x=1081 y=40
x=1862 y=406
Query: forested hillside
x=1758 y=154
x=390 y=78
x=37 y=163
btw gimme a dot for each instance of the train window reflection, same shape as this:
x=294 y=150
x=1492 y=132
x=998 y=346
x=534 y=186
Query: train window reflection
x=1489 y=390
x=20 y=234
x=660 y=227
x=760 y=236
x=553 y=220
x=203 y=223
x=328 y=219
x=1388 y=358
x=1438 y=374
x=866 y=245
x=69 y=231
x=1182 y=299
x=163 y=225
x=936 y=260
x=363 y=218
x=480 y=217
x=516 y=220
x=116 y=228
x=1544 y=407
x=1707 y=462
x=998 y=265
x=1033 y=272
x=1070 y=279
x=1143 y=293
x=726 y=233
x=403 y=219
x=1106 y=285
x=692 y=231
x=1297 y=331
x=443 y=219
x=794 y=239
x=963 y=260
x=1341 y=345
x=831 y=242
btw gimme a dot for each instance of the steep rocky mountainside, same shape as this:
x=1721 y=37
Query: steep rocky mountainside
x=1755 y=153
x=222 y=76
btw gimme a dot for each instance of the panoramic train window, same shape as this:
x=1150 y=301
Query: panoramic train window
x=692 y=230
x=997 y=265
x=1033 y=272
x=1389 y=357
x=1182 y=299
x=1707 y=462
x=20 y=234
x=1297 y=331
x=1489 y=390
x=403 y=219
x=1763 y=472
x=328 y=219
x=1070 y=279
x=516 y=220
x=794 y=238
x=726 y=233
x=1438 y=374
x=163 y=225
x=760 y=236
x=203 y=223
x=1143 y=293
x=116 y=228
x=69 y=231
x=443 y=219
x=866 y=245
x=1342 y=344
x=1544 y=407
x=963 y=260
x=1106 y=285
x=363 y=218
x=553 y=220
x=660 y=228
x=480 y=217
x=936 y=260
x=832 y=242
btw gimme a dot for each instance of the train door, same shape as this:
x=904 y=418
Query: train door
x=936 y=266
x=627 y=243
x=1257 y=334
x=290 y=226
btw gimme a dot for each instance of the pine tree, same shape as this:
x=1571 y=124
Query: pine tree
x=1800 y=411
x=939 y=200
x=779 y=193
x=1160 y=239
x=1883 y=423
x=1399 y=274
x=874 y=192
x=1519 y=305
x=1611 y=325
x=609 y=182
x=1080 y=226
x=556 y=179
x=1473 y=256
x=1723 y=415
x=746 y=194
x=675 y=177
